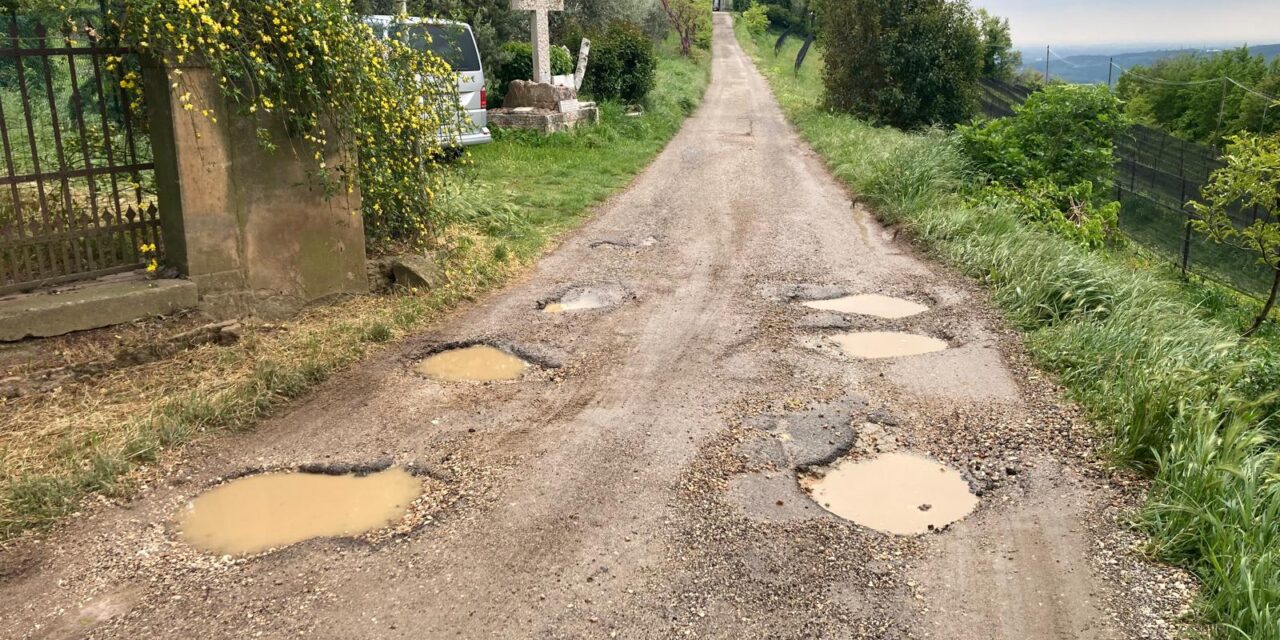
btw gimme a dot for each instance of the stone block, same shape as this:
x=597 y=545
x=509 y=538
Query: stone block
x=91 y=306
x=416 y=271
x=523 y=93
x=544 y=121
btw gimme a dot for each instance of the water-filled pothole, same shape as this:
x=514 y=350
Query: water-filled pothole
x=871 y=304
x=475 y=363
x=584 y=299
x=873 y=345
x=260 y=512
x=896 y=493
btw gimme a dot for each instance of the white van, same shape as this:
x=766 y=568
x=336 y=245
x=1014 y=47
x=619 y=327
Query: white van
x=456 y=44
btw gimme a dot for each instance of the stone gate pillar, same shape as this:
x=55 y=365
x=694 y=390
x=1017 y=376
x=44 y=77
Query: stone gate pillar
x=248 y=226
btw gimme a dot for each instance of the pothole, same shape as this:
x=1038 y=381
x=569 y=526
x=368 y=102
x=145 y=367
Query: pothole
x=897 y=493
x=584 y=299
x=870 y=304
x=643 y=243
x=475 y=363
x=802 y=292
x=872 y=345
x=260 y=512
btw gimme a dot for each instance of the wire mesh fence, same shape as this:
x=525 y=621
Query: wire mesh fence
x=1157 y=175
x=997 y=99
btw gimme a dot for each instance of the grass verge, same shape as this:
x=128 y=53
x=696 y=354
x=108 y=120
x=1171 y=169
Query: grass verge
x=1155 y=360
x=509 y=200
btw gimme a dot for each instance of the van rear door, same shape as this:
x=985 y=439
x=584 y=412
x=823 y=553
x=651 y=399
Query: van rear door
x=456 y=45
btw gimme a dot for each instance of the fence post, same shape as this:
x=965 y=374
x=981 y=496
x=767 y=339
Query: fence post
x=1186 y=235
x=1187 y=246
x=1133 y=163
x=1222 y=112
x=1159 y=161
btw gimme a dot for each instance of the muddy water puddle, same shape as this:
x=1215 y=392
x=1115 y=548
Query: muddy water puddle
x=874 y=345
x=898 y=493
x=584 y=300
x=477 y=363
x=260 y=512
x=871 y=304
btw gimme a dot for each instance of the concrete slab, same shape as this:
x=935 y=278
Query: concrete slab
x=544 y=120
x=55 y=312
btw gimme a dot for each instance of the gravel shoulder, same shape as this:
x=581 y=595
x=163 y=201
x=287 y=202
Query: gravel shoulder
x=641 y=481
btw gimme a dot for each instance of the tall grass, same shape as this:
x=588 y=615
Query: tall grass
x=1183 y=398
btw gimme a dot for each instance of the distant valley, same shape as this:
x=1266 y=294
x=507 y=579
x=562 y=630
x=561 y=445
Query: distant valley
x=1092 y=68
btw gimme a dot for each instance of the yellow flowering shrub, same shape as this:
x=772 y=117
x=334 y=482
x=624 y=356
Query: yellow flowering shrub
x=335 y=84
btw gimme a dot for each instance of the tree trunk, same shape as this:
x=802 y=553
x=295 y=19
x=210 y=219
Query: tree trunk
x=1266 y=308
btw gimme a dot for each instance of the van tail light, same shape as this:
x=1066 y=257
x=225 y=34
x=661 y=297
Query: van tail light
x=484 y=98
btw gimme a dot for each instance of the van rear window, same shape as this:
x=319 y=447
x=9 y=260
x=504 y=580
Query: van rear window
x=451 y=42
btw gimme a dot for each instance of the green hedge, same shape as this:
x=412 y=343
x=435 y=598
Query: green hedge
x=622 y=64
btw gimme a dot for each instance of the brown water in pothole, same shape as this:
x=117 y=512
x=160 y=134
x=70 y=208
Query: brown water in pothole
x=871 y=304
x=896 y=493
x=477 y=363
x=886 y=344
x=580 y=301
x=256 y=513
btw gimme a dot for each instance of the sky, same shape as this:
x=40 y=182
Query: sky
x=1063 y=23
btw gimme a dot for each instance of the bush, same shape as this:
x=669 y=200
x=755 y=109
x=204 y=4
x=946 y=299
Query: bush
x=909 y=65
x=515 y=62
x=622 y=64
x=1064 y=134
x=1073 y=212
x=780 y=17
x=756 y=19
x=1052 y=159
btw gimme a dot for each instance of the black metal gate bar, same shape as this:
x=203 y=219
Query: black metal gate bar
x=59 y=222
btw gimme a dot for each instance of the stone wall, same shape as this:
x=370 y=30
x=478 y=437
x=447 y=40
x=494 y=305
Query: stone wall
x=248 y=226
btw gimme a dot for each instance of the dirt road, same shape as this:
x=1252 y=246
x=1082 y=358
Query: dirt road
x=641 y=482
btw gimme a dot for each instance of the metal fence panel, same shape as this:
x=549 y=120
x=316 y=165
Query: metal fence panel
x=77 y=176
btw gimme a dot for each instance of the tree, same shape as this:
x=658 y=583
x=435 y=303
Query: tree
x=1187 y=96
x=1063 y=133
x=1250 y=178
x=1054 y=158
x=907 y=63
x=689 y=18
x=1000 y=61
x=757 y=19
x=597 y=15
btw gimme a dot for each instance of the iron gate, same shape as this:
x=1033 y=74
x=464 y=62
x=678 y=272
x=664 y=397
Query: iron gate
x=77 y=181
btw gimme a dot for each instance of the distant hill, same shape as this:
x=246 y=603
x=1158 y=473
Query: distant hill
x=1092 y=69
